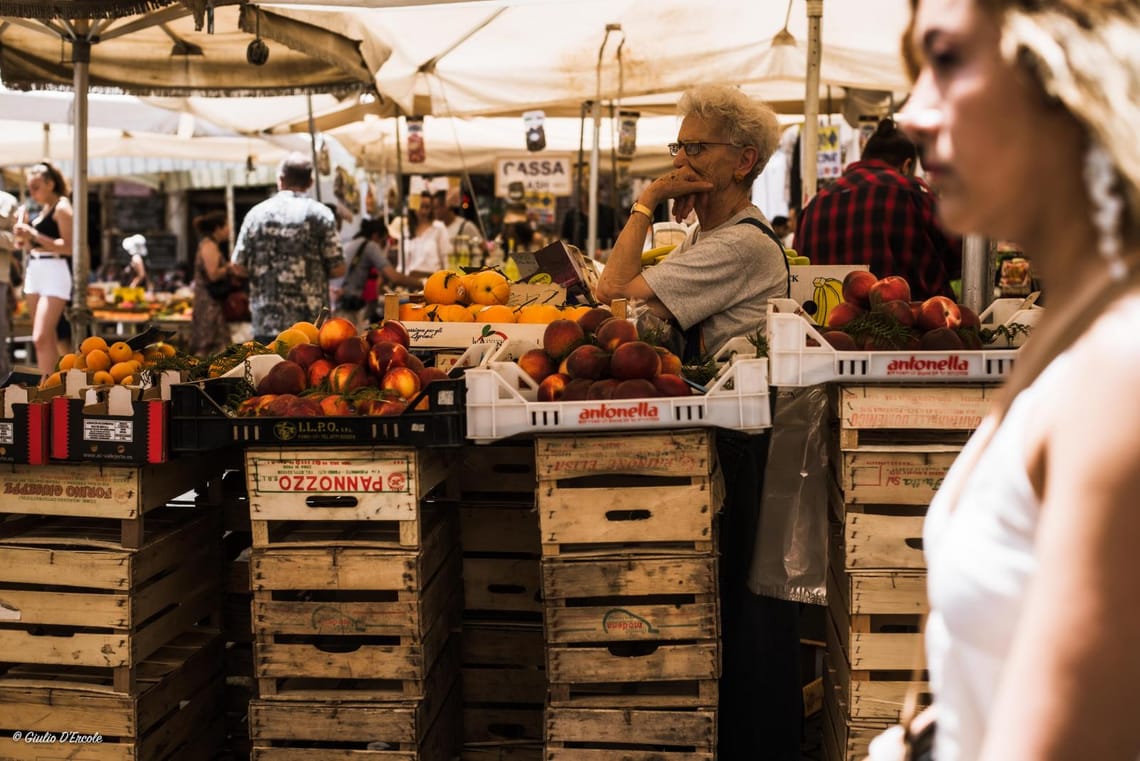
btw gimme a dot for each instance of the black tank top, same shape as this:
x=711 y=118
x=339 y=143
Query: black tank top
x=47 y=225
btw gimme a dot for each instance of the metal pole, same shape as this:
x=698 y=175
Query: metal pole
x=231 y=210
x=810 y=135
x=47 y=141
x=400 y=200
x=595 y=153
x=80 y=316
x=313 y=143
x=977 y=287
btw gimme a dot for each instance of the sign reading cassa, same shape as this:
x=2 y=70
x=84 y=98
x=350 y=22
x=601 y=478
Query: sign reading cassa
x=545 y=174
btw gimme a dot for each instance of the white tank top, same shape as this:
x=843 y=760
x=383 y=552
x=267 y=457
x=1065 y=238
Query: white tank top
x=980 y=560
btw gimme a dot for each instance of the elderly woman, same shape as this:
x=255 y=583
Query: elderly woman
x=1025 y=113
x=717 y=283
x=714 y=286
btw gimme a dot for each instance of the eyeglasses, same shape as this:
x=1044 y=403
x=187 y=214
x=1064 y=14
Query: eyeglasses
x=694 y=147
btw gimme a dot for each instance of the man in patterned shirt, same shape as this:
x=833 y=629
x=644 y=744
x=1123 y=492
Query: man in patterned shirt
x=879 y=214
x=289 y=248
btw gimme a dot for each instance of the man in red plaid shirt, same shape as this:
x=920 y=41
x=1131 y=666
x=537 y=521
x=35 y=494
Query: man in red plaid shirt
x=879 y=214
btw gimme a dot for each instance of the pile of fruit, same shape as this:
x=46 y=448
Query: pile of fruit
x=333 y=371
x=451 y=296
x=599 y=356
x=126 y=297
x=110 y=364
x=879 y=314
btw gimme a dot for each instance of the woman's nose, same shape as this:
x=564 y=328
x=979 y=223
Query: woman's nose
x=921 y=116
x=681 y=159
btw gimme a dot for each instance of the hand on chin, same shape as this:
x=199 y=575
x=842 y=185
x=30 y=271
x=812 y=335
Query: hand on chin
x=683 y=206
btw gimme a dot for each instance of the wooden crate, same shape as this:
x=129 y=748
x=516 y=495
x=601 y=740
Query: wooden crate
x=354 y=623
x=380 y=487
x=495 y=472
x=502 y=752
x=583 y=734
x=846 y=740
x=634 y=674
x=498 y=585
x=180 y=688
x=106 y=608
x=121 y=496
x=499 y=528
x=661 y=598
x=494 y=723
x=418 y=730
x=503 y=663
x=899 y=414
x=874 y=624
x=894 y=475
x=627 y=494
x=878 y=538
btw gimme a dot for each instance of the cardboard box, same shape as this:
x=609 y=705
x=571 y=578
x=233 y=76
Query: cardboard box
x=563 y=265
x=817 y=288
x=110 y=424
x=24 y=425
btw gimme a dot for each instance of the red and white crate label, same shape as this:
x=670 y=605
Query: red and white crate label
x=334 y=475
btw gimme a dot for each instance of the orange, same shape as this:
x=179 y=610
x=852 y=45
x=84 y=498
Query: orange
x=410 y=312
x=67 y=361
x=97 y=359
x=91 y=344
x=444 y=287
x=103 y=378
x=162 y=349
x=128 y=381
x=55 y=379
x=289 y=338
x=120 y=352
x=121 y=370
x=575 y=312
x=489 y=287
x=496 y=313
x=138 y=357
x=308 y=328
x=539 y=314
x=453 y=313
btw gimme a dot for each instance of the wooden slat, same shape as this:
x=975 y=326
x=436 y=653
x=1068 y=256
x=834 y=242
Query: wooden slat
x=696 y=729
x=660 y=453
x=917 y=407
x=499 y=528
x=883 y=542
x=894 y=477
x=502 y=584
x=487 y=724
x=497 y=469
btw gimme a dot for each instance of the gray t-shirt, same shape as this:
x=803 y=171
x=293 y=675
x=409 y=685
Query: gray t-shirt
x=722 y=279
x=360 y=261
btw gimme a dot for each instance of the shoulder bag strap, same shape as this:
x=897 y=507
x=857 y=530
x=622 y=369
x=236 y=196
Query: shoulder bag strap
x=775 y=239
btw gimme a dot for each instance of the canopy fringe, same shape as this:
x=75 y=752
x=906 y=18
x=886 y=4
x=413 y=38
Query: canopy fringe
x=337 y=90
x=44 y=10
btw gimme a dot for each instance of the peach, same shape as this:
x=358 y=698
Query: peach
x=333 y=333
x=279 y=405
x=415 y=363
x=552 y=387
x=386 y=355
x=576 y=390
x=939 y=312
x=285 y=377
x=335 y=405
x=589 y=362
x=635 y=359
x=842 y=314
x=429 y=374
x=899 y=311
x=969 y=318
x=857 y=288
x=595 y=316
x=614 y=332
x=304 y=406
x=381 y=407
x=305 y=354
x=890 y=288
x=319 y=371
x=389 y=330
x=971 y=339
x=351 y=351
x=346 y=377
x=602 y=389
x=537 y=364
x=562 y=337
x=635 y=388
x=839 y=340
x=670 y=362
x=402 y=380
x=940 y=339
x=669 y=384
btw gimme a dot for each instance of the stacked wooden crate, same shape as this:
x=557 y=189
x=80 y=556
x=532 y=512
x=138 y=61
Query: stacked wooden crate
x=894 y=446
x=630 y=594
x=237 y=624
x=504 y=681
x=109 y=612
x=356 y=595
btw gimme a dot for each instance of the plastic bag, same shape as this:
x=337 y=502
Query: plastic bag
x=789 y=561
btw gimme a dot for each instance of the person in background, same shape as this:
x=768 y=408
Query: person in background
x=288 y=248
x=427 y=248
x=781 y=227
x=716 y=285
x=134 y=274
x=466 y=240
x=879 y=214
x=9 y=207
x=364 y=255
x=47 y=240
x=1025 y=114
x=209 y=331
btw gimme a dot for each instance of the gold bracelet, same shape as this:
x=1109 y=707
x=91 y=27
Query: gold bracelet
x=640 y=208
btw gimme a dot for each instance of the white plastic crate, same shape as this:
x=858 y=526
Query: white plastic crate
x=460 y=335
x=501 y=400
x=794 y=363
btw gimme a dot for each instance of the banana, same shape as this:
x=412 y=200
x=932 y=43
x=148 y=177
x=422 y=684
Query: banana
x=654 y=255
x=827 y=293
